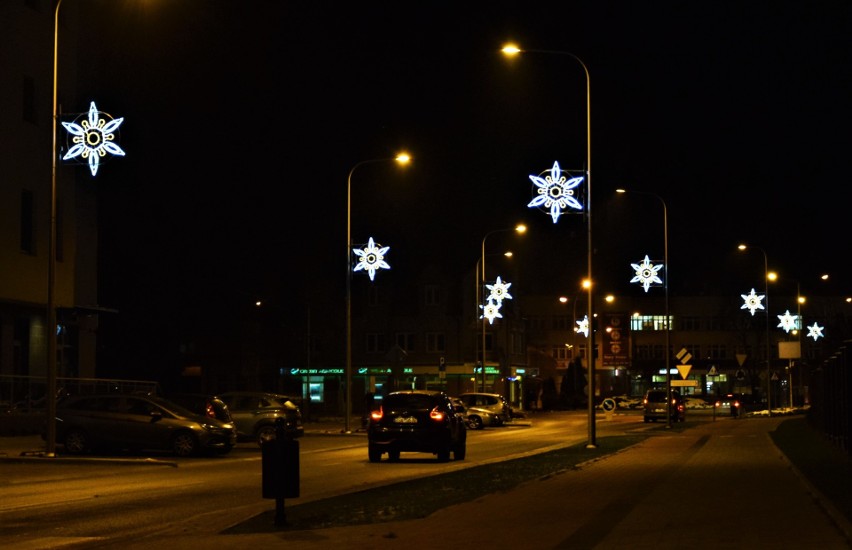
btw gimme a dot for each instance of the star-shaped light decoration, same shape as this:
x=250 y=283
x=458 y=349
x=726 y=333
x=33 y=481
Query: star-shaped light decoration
x=499 y=291
x=646 y=273
x=788 y=322
x=583 y=326
x=490 y=311
x=372 y=258
x=93 y=138
x=752 y=301
x=815 y=332
x=555 y=192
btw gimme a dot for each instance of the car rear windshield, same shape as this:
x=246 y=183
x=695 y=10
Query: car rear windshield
x=657 y=396
x=411 y=401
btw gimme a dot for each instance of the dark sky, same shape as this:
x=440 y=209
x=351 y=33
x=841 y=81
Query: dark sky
x=243 y=119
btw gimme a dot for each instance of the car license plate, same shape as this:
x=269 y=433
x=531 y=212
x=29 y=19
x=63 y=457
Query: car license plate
x=405 y=420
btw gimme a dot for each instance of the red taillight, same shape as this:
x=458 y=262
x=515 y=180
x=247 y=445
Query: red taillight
x=435 y=414
x=376 y=415
x=209 y=411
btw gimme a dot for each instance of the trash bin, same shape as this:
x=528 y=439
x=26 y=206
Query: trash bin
x=280 y=465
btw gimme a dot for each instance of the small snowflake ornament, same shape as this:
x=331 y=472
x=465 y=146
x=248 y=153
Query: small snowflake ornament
x=93 y=138
x=491 y=310
x=583 y=326
x=371 y=258
x=752 y=301
x=815 y=332
x=646 y=273
x=788 y=322
x=555 y=192
x=499 y=291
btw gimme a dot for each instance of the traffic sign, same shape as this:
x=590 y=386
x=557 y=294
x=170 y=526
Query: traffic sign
x=684 y=383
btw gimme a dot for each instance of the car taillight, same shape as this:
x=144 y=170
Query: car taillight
x=377 y=415
x=435 y=414
x=209 y=411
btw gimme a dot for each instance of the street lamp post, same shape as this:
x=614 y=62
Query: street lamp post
x=520 y=228
x=511 y=50
x=766 y=306
x=50 y=390
x=402 y=159
x=666 y=286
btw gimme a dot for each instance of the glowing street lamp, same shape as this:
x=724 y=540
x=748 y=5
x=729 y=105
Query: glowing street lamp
x=765 y=306
x=511 y=50
x=401 y=159
x=666 y=285
x=520 y=229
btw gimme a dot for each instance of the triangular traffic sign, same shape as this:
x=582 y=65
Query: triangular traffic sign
x=684 y=370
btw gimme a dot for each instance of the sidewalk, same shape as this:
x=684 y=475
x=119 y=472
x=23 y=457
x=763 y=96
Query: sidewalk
x=718 y=485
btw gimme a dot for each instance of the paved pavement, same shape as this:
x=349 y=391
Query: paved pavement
x=718 y=485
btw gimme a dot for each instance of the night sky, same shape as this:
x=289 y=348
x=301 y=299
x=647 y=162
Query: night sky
x=244 y=118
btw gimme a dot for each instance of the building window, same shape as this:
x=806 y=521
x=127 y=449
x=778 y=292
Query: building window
x=536 y=322
x=560 y=353
x=717 y=351
x=27 y=222
x=432 y=295
x=375 y=342
x=435 y=342
x=649 y=322
x=561 y=322
x=405 y=340
x=643 y=351
x=690 y=322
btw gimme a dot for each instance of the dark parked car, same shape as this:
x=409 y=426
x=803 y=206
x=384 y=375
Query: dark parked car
x=138 y=422
x=201 y=404
x=655 y=404
x=255 y=414
x=417 y=421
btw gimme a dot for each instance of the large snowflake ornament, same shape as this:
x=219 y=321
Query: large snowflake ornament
x=752 y=301
x=499 y=291
x=646 y=273
x=555 y=192
x=788 y=322
x=93 y=138
x=815 y=332
x=372 y=258
x=583 y=326
x=491 y=310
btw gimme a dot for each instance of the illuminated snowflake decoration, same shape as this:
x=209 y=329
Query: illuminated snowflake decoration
x=555 y=192
x=499 y=291
x=646 y=273
x=93 y=138
x=815 y=332
x=583 y=326
x=491 y=311
x=788 y=322
x=372 y=258
x=752 y=301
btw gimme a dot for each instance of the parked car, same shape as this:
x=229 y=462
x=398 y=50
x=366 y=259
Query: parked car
x=138 y=422
x=477 y=418
x=255 y=414
x=201 y=404
x=418 y=421
x=655 y=404
x=493 y=402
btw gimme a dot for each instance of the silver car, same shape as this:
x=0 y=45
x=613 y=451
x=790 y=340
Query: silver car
x=255 y=414
x=493 y=402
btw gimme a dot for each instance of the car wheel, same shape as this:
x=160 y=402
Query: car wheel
x=393 y=456
x=475 y=423
x=184 y=444
x=76 y=442
x=374 y=453
x=265 y=433
x=460 y=451
x=444 y=455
